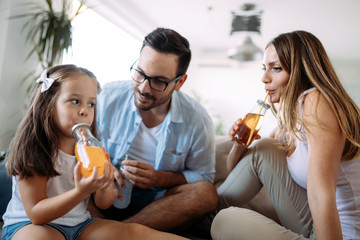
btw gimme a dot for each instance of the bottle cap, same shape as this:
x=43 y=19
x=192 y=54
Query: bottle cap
x=263 y=104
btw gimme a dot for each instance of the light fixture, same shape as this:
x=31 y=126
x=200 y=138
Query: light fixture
x=246 y=21
x=248 y=51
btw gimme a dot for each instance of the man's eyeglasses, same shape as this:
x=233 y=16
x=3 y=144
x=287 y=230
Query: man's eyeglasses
x=155 y=84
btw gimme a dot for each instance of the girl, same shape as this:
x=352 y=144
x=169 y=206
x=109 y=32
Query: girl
x=49 y=196
x=313 y=179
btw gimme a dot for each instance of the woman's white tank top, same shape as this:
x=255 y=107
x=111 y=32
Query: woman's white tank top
x=348 y=182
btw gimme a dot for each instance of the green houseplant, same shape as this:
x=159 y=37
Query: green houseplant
x=49 y=30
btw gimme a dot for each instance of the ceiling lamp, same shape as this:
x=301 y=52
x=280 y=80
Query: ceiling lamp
x=246 y=21
x=248 y=51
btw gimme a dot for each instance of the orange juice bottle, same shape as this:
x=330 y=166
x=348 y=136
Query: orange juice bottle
x=88 y=150
x=251 y=123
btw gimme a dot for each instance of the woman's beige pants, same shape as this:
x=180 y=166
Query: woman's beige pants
x=263 y=165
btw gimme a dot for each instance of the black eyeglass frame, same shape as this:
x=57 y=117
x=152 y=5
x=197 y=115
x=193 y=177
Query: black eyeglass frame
x=151 y=78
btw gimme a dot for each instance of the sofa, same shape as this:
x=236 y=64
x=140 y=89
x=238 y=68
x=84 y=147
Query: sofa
x=260 y=203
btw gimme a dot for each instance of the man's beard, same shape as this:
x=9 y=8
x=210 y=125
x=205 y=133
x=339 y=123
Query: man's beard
x=156 y=102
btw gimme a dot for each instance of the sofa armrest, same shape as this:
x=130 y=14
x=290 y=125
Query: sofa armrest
x=223 y=147
x=261 y=202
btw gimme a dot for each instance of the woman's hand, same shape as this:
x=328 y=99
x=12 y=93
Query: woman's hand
x=234 y=129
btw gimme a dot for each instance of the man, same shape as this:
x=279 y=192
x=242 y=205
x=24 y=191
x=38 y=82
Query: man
x=168 y=137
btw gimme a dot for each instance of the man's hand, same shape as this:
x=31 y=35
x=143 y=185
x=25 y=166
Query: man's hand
x=141 y=174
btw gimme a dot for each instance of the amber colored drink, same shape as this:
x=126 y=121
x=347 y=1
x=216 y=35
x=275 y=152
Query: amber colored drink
x=90 y=157
x=249 y=128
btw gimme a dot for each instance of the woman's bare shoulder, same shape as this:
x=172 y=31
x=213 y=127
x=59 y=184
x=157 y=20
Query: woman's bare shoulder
x=318 y=111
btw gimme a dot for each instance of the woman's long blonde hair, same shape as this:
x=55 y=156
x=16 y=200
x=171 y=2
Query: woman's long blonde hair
x=303 y=56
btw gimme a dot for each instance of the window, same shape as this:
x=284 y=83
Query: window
x=102 y=47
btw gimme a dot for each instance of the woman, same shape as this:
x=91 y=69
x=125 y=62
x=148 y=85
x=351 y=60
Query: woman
x=313 y=178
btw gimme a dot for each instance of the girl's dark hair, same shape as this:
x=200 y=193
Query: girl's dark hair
x=34 y=147
x=169 y=41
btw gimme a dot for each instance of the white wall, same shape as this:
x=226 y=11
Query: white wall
x=227 y=92
x=230 y=90
x=13 y=69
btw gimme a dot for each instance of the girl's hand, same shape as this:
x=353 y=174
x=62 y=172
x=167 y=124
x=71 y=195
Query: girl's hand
x=90 y=184
x=105 y=196
x=108 y=172
x=114 y=175
x=119 y=178
x=108 y=175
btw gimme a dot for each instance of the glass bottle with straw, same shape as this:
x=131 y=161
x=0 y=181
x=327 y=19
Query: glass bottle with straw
x=252 y=122
x=88 y=150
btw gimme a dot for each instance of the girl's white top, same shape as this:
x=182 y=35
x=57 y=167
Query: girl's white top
x=65 y=164
x=348 y=182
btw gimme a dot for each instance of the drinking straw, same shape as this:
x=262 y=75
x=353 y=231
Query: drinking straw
x=267 y=94
x=83 y=137
x=121 y=165
x=262 y=105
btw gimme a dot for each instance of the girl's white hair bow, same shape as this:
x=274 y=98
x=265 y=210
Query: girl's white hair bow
x=46 y=82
